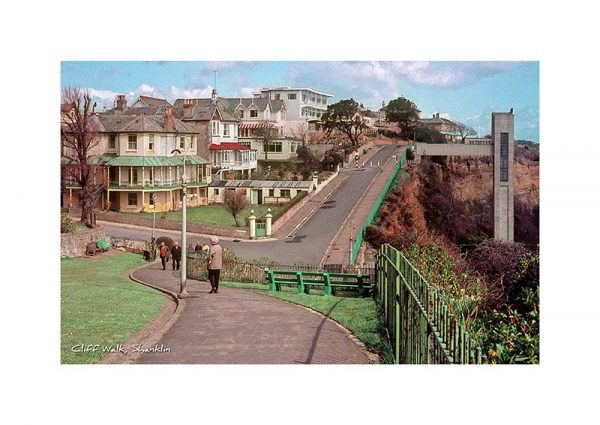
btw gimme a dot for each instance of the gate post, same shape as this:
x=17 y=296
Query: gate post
x=268 y=219
x=252 y=221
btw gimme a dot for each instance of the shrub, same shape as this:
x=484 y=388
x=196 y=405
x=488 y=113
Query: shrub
x=501 y=265
x=66 y=223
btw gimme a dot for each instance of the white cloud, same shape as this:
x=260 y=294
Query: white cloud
x=145 y=88
x=372 y=82
x=246 y=91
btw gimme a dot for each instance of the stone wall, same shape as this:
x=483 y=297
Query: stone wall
x=73 y=244
x=130 y=245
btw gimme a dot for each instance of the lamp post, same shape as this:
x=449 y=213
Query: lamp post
x=153 y=241
x=183 y=276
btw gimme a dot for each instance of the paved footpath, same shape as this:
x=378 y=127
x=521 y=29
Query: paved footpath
x=237 y=326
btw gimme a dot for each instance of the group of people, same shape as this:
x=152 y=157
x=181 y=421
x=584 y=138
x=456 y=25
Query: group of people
x=214 y=255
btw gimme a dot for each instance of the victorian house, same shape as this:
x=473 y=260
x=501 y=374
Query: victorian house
x=142 y=152
x=218 y=136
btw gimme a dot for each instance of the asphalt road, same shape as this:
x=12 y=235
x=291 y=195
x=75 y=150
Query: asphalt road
x=311 y=240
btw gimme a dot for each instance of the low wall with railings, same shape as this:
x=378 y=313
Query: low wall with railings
x=253 y=271
x=453 y=149
x=420 y=325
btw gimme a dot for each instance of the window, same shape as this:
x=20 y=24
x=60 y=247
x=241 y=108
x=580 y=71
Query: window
x=217 y=192
x=132 y=143
x=215 y=128
x=293 y=147
x=503 y=157
x=182 y=143
x=284 y=193
x=151 y=142
x=225 y=130
x=112 y=141
x=291 y=96
x=132 y=199
x=253 y=114
x=278 y=96
x=192 y=143
x=241 y=112
x=274 y=147
x=245 y=143
x=271 y=192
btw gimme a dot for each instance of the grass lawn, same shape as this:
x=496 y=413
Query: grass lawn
x=359 y=315
x=101 y=306
x=215 y=214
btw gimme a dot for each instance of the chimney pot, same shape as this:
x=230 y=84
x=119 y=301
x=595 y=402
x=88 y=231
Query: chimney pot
x=121 y=102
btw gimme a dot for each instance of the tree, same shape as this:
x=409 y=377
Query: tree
x=308 y=162
x=300 y=133
x=346 y=116
x=235 y=202
x=78 y=139
x=332 y=158
x=265 y=134
x=404 y=112
x=465 y=130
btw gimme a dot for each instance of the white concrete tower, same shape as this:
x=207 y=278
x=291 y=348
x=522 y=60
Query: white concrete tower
x=503 y=126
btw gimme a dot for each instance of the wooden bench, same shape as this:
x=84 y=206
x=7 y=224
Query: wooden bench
x=328 y=281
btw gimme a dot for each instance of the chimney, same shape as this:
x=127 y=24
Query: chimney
x=188 y=108
x=437 y=115
x=169 y=122
x=214 y=96
x=121 y=102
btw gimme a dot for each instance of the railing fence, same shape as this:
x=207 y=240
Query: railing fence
x=421 y=328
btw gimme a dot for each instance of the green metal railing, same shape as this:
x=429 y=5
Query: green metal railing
x=361 y=233
x=304 y=280
x=421 y=328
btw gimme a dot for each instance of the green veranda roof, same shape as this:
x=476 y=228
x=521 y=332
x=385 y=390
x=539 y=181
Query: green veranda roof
x=148 y=161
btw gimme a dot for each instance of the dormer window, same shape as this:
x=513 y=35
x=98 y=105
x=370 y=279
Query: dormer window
x=241 y=111
x=254 y=113
x=215 y=128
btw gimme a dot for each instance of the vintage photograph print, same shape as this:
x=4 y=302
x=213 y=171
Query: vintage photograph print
x=299 y=212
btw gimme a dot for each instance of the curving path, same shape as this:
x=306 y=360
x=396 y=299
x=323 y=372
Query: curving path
x=238 y=326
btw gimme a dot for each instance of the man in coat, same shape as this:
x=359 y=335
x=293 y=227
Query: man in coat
x=176 y=254
x=215 y=264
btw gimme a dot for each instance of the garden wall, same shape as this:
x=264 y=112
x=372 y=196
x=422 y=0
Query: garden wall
x=73 y=244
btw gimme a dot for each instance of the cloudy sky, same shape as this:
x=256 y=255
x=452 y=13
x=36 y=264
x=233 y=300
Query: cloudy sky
x=462 y=91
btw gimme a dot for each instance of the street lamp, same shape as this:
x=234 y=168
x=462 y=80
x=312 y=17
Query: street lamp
x=183 y=275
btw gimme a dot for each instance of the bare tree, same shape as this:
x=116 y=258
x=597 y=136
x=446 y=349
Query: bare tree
x=465 y=130
x=235 y=202
x=265 y=134
x=78 y=139
x=300 y=133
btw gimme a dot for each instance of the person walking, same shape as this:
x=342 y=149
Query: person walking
x=163 y=255
x=215 y=264
x=176 y=254
x=197 y=248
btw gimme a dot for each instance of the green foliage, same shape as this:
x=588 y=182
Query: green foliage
x=308 y=162
x=346 y=116
x=512 y=336
x=332 y=158
x=403 y=111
